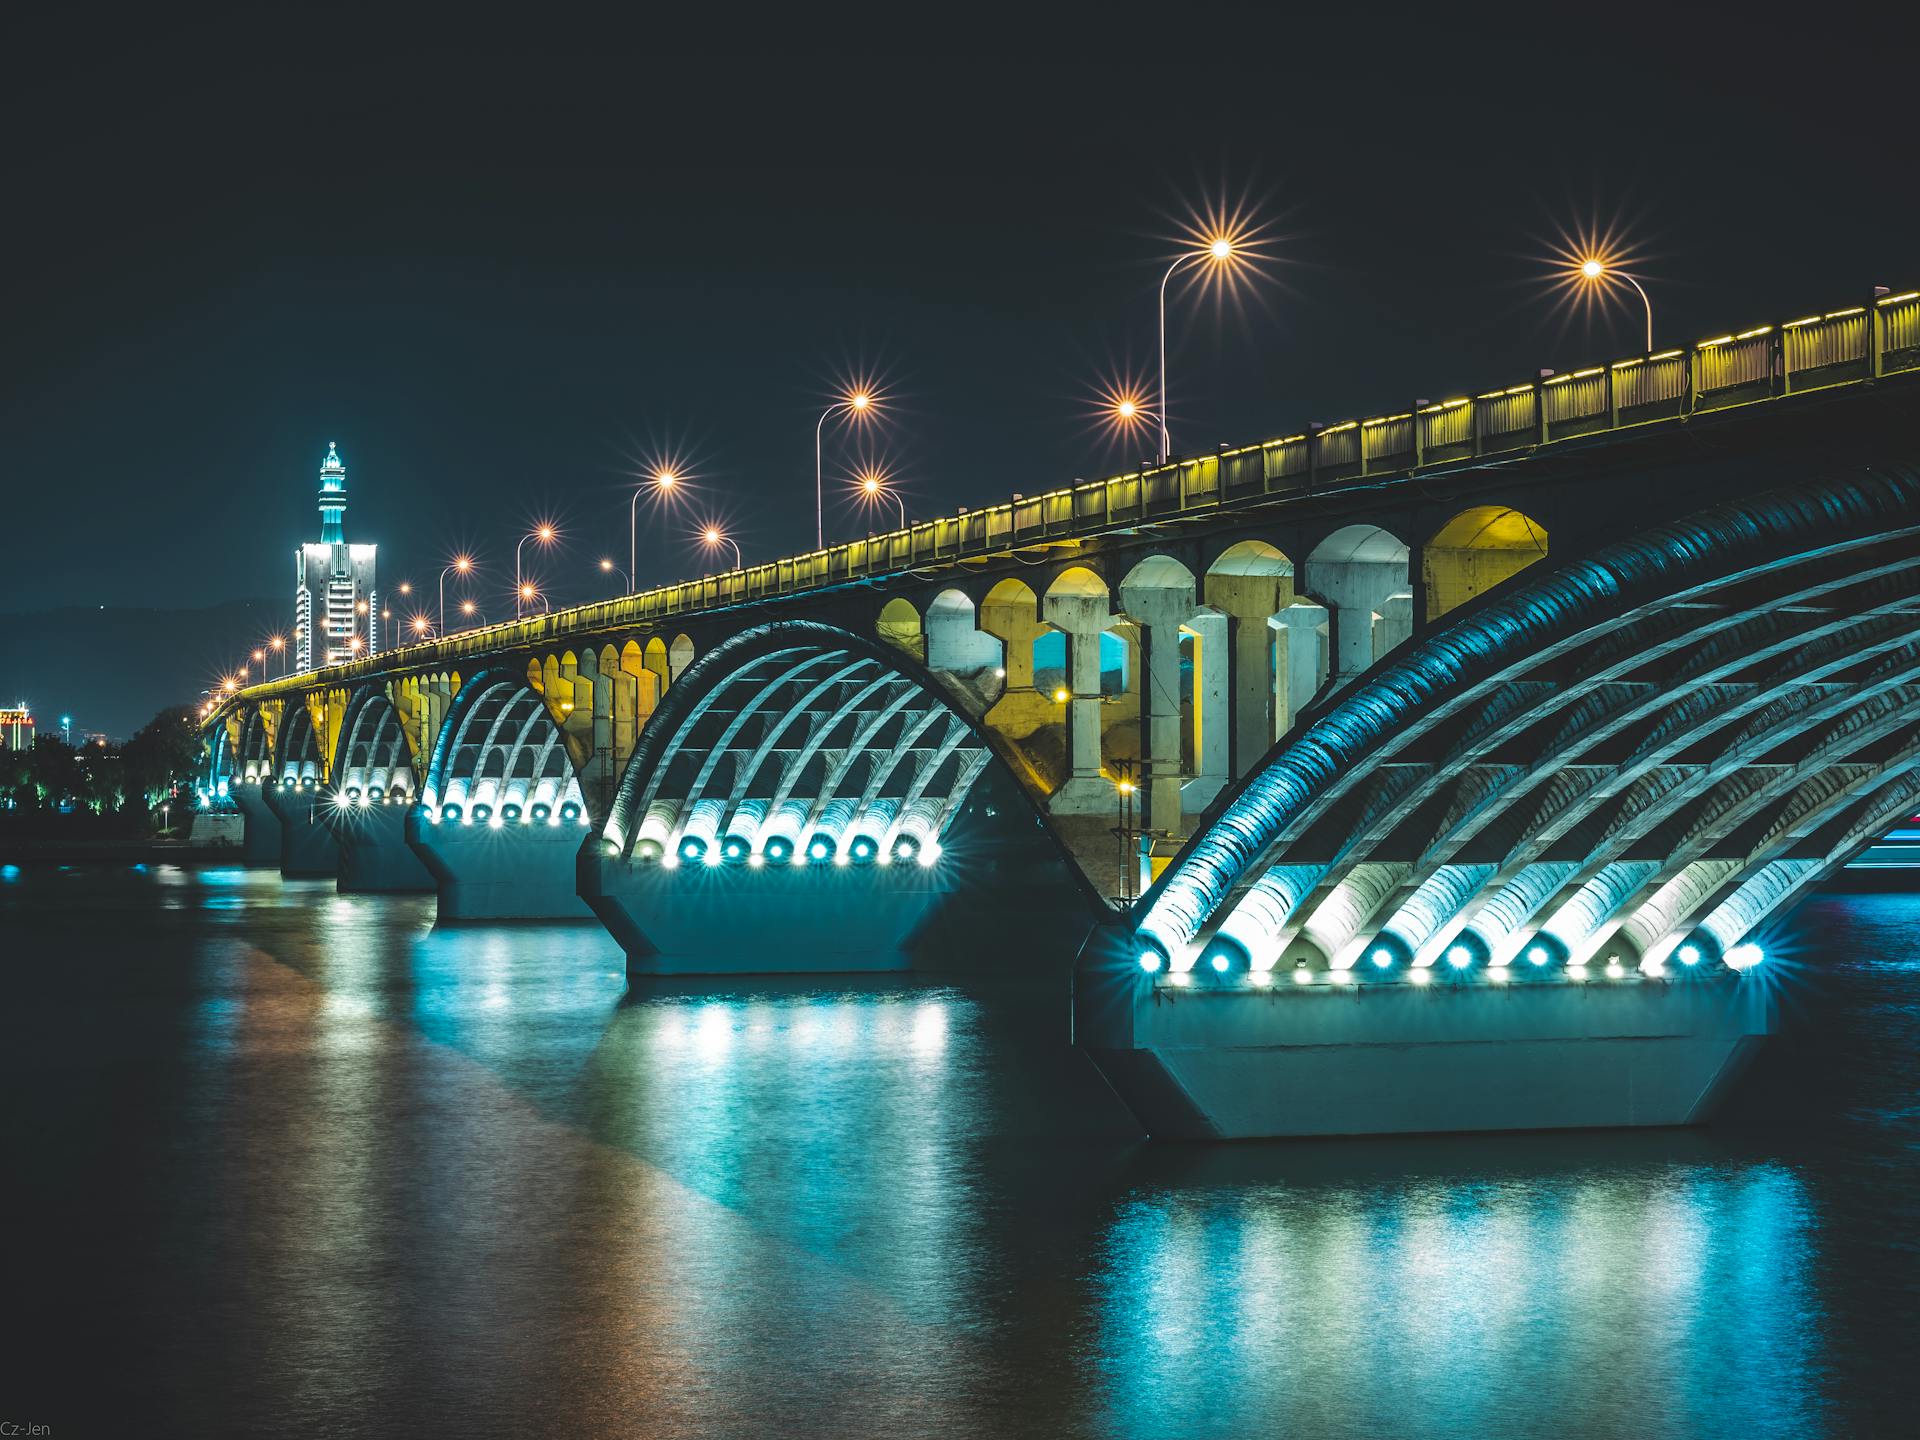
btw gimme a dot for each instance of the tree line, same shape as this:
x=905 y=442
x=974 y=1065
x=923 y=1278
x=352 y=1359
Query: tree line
x=131 y=780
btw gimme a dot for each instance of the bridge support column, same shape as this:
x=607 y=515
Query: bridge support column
x=518 y=871
x=1243 y=1060
x=1394 y=624
x=307 y=846
x=1161 y=611
x=1212 y=729
x=1300 y=624
x=374 y=855
x=1083 y=618
x=1358 y=591
x=260 y=843
x=695 y=919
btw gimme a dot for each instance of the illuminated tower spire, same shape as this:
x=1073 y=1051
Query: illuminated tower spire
x=333 y=497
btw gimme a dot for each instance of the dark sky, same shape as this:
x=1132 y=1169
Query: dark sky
x=497 y=276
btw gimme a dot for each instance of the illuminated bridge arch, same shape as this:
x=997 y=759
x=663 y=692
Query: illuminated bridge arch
x=299 y=758
x=500 y=755
x=373 y=759
x=1639 y=755
x=798 y=741
x=254 y=758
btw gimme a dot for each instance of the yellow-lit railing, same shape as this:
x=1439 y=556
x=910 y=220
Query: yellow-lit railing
x=1857 y=344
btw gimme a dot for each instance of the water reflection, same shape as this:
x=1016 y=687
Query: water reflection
x=410 y=1177
x=1466 y=1307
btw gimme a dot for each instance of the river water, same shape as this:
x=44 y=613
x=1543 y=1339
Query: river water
x=282 y=1161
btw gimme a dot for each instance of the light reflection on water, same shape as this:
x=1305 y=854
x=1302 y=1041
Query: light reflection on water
x=464 y=1179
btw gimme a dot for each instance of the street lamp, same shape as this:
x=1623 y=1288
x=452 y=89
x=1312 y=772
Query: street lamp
x=546 y=535
x=713 y=537
x=526 y=595
x=859 y=402
x=279 y=644
x=1218 y=250
x=468 y=610
x=664 y=481
x=607 y=567
x=1597 y=270
x=422 y=627
x=464 y=565
x=874 y=488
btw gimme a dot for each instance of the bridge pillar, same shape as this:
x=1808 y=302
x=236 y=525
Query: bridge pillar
x=522 y=870
x=374 y=855
x=1240 y=1059
x=1394 y=624
x=1213 y=731
x=1083 y=618
x=1300 y=626
x=1161 y=611
x=307 y=846
x=260 y=843
x=696 y=919
x=1358 y=590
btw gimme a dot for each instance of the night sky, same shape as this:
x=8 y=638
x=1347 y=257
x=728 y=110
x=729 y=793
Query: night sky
x=502 y=278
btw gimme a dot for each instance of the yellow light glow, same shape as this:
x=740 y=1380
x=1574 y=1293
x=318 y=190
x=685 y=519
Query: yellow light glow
x=259 y=655
x=545 y=534
x=463 y=563
x=1592 y=269
x=1221 y=248
x=419 y=624
x=712 y=535
x=860 y=400
x=406 y=587
x=1060 y=697
x=466 y=607
x=355 y=643
x=666 y=479
x=279 y=642
x=606 y=564
x=526 y=592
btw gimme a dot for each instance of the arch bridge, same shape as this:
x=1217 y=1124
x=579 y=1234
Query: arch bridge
x=1451 y=763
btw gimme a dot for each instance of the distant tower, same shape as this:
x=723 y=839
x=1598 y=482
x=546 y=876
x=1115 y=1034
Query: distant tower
x=334 y=599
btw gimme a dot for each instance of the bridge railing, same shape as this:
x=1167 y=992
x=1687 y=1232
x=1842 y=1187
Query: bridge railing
x=1854 y=345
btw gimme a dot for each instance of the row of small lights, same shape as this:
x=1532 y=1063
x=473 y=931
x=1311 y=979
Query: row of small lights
x=1459 y=961
x=782 y=850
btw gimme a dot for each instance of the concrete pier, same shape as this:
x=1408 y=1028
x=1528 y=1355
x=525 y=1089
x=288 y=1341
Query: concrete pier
x=260 y=846
x=1243 y=1060
x=509 y=871
x=307 y=846
x=374 y=854
x=817 y=918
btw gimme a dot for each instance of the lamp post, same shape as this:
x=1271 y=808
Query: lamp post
x=664 y=479
x=713 y=537
x=1219 y=250
x=1594 y=270
x=469 y=611
x=464 y=565
x=279 y=645
x=874 y=488
x=422 y=627
x=546 y=535
x=859 y=403
x=607 y=567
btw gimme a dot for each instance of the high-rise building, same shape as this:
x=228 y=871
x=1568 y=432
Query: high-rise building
x=16 y=727
x=336 y=609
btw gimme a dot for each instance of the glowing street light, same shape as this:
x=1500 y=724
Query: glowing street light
x=355 y=643
x=874 y=489
x=422 y=627
x=713 y=537
x=665 y=481
x=607 y=567
x=279 y=644
x=859 y=401
x=1598 y=270
x=461 y=564
x=1219 y=250
x=546 y=535
x=468 y=611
